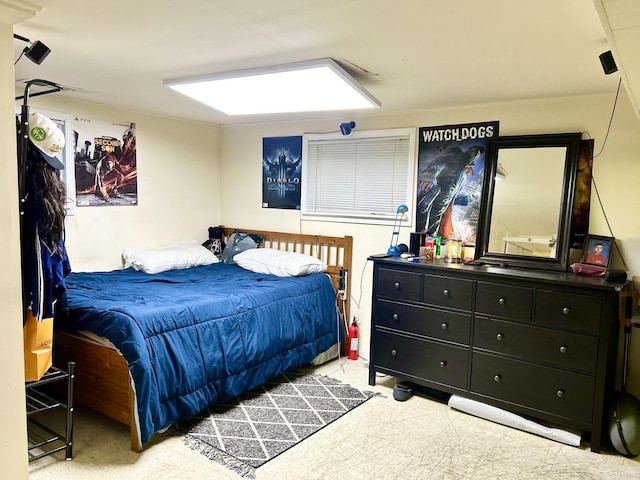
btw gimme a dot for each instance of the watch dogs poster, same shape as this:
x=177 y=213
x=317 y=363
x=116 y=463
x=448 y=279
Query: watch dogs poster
x=281 y=172
x=451 y=161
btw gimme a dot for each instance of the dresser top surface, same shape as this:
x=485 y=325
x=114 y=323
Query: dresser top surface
x=492 y=272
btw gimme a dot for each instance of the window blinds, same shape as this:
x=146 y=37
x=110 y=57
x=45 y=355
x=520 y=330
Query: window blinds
x=357 y=178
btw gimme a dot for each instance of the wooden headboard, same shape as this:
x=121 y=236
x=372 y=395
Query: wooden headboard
x=336 y=252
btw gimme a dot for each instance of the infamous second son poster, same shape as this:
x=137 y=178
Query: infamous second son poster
x=105 y=163
x=450 y=175
x=281 y=172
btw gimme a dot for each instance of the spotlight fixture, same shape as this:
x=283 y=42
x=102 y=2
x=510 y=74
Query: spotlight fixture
x=36 y=51
x=315 y=85
x=608 y=63
x=346 y=128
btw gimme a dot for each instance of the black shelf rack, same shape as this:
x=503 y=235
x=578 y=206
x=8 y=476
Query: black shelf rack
x=43 y=439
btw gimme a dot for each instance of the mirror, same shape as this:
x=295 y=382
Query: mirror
x=527 y=201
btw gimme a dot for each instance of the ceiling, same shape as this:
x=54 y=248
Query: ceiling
x=412 y=55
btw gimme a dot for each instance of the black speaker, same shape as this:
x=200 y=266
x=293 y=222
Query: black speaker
x=615 y=275
x=37 y=52
x=608 y=63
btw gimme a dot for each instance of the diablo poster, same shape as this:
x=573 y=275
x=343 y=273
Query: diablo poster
x=450 y=174
x=105 y=163
x=281 y=172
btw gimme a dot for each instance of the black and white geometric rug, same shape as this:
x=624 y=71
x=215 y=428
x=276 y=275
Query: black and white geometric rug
x=255 y=427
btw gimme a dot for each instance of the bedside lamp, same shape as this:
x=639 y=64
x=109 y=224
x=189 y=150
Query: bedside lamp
x=394 y=250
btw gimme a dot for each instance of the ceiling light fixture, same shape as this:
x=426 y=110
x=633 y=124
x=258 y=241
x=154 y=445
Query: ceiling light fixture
x=315 y=85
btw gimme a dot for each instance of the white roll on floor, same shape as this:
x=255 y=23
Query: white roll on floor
x=509 y=419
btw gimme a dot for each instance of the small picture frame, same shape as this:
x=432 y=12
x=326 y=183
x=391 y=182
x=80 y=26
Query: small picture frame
x=597 y=250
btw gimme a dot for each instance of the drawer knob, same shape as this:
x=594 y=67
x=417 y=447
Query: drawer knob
x=563 y=349
x=397 y=285
x=446 y=292
x=566 y=310
x=502 y=301
x=444 y=326
x=497 y=378
x=499 y=336
x=443 y=364
x=395 y=316
x=560 y=393
x=394 y=353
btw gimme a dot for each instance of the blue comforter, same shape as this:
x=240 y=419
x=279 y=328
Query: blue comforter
x=201 y=335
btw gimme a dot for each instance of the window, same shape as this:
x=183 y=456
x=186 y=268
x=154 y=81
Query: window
x=359 y=178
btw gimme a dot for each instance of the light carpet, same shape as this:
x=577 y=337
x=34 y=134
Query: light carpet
x=251 y=429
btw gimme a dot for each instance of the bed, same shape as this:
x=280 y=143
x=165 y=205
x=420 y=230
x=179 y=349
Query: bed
x=185 y=339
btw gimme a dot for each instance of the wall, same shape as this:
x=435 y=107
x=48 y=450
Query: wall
x=178 y=187
x=194 y=175
x=616 y=173
x=13 y=444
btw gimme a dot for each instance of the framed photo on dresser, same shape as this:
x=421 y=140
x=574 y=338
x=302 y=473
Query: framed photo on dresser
x=597 y=250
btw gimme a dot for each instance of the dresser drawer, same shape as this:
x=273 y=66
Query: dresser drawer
x=398 y=284
x=558 y=392
x=432 y=361
x=428 y=322
x=498 y=300
x=542 y=345
x=448 y=292
x=568 y=311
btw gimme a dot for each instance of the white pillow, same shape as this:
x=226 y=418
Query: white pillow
x=170 y=257
x=279 y=262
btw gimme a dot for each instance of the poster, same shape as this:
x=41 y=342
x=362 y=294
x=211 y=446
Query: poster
x=449 y=183
x=281 y=172
x=105 y=163
x=582 y=200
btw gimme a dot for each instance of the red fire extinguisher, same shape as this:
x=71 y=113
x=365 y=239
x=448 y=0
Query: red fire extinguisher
x=353 y=340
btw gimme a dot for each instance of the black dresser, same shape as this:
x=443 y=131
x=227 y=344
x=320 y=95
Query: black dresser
x=536 y=343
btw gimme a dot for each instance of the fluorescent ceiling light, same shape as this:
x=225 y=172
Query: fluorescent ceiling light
x=316 y=85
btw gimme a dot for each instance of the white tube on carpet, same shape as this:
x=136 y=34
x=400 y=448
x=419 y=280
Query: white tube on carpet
x=509 y=419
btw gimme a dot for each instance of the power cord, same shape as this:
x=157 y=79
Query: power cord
x=357 y=302
x=595 y=185
x=613 y=110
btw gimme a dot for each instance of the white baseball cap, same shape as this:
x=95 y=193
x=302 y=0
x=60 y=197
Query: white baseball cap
x=48 y=139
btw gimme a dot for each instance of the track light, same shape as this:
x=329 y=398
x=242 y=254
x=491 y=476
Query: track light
x=346 y=128
x=36 y=51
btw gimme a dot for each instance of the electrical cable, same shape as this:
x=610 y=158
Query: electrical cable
x=595 y=185
x=357 y=302
x=615 y=102
x=21 y=54
x=604 y=214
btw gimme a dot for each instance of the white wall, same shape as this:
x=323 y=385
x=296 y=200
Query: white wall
x=616 y=172
x=178 y=187
x=13 y=444
x=195 y=175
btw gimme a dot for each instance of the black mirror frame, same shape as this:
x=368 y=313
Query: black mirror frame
x=569 y=140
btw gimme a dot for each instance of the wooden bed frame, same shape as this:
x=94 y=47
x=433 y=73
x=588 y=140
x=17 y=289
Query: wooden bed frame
x=102 y=380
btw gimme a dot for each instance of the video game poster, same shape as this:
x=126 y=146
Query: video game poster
x=451 y=164
x=281 y=172
x=105 y=163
